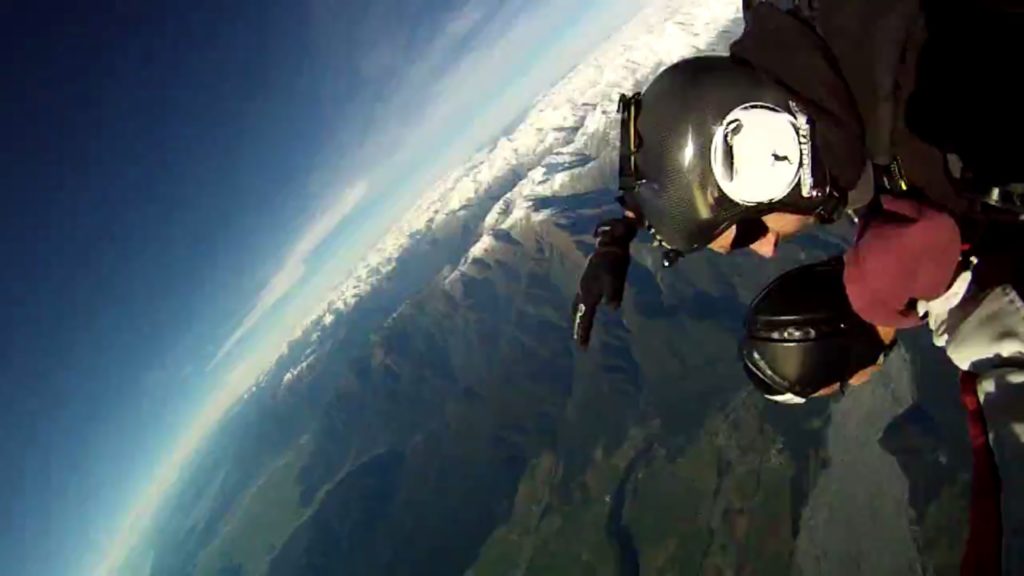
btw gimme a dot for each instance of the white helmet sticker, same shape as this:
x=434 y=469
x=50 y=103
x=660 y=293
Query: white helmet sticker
x=756 y=154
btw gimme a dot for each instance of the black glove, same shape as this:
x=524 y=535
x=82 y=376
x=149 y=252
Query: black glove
x=604 y=278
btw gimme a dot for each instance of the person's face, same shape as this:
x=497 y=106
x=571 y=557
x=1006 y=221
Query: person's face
x=780 y=226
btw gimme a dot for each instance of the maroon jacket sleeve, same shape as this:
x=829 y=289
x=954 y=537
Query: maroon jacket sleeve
x=905 y=252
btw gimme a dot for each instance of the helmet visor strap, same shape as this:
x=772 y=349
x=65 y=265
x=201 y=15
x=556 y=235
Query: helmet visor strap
x=748 y=231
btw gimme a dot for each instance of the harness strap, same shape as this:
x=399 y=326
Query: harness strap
x=983 y=552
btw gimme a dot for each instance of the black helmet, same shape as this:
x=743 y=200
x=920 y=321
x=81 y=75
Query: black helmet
x=712 y=142
x=802 y=334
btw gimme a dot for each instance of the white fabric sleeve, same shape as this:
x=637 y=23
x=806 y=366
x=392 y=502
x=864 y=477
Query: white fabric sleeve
x=1002 y=399
x=986 y=334
x=939 y=310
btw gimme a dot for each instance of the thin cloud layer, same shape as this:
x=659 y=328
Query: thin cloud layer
x=452 y=89
x=294 y=267
x=440 y=91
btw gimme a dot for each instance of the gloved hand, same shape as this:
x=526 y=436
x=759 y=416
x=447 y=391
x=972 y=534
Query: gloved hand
x=604 y=278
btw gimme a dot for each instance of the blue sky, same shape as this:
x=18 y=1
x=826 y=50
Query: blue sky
x=173 y=180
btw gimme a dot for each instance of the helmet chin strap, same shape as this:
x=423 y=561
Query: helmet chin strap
x=748 y=232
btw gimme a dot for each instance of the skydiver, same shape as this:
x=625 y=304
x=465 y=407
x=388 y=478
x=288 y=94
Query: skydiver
x=805 y=120
x=803 y=340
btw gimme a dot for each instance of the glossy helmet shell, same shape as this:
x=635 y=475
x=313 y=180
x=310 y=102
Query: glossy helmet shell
x=802 y=335
x=681 y=111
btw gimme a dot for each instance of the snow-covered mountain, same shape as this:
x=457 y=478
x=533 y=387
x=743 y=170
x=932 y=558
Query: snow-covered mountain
x=575 y=120
x=570 y=135
x=436 y=419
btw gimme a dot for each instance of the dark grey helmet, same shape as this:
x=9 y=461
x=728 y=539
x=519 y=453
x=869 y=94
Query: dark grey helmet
x=802 y=335
x=710 y=123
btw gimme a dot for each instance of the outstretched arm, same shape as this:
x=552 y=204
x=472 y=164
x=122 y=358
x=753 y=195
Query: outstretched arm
x=604 y=278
